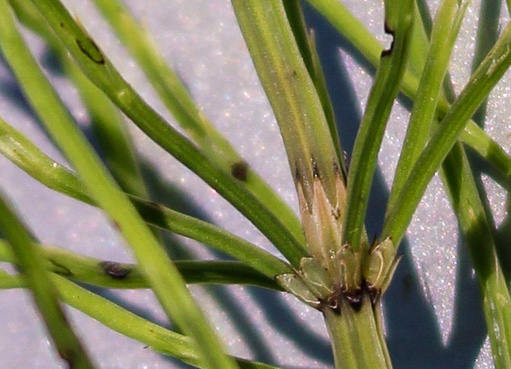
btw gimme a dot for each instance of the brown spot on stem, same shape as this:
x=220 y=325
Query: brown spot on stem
x=95 y=54
x=156 y=205
x=68 y=356
x=61 y=269
x=114 y=270
x=239 y=170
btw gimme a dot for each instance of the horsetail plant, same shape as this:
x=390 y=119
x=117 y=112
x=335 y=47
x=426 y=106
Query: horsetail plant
x=330 y=265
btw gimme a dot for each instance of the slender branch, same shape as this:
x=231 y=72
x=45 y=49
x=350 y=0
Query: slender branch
x=110 y=274
x=473 y=220
x=444 y=33
x=399 y=23
x=34 y=275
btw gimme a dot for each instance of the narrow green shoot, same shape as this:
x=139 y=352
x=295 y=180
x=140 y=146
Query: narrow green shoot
x=127 y=323
x=368 y=350
x=444 y=32
x=302 y=121
x=180 y=103
x=419 y=47
x=296 y=105
x=17 y=148
x=101 y=71
x=306 y=44
x=163 y=276
x=110 y=274
x=35 y=276
x=482 y=81
x=399 y=23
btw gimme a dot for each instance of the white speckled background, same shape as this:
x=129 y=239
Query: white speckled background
x=428 y=324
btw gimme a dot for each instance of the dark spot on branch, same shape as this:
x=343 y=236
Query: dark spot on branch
x=62 y=25
x=116 y=225
x=95 y=54
x=62 y=269
x=391 y=32
x=114 y=270
x=68 y=356
x=239 y=170
x=156 y=205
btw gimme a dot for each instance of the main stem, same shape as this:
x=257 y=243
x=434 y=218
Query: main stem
x=357 y=336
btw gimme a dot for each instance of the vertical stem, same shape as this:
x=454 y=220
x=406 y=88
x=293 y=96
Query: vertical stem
x=356 y=334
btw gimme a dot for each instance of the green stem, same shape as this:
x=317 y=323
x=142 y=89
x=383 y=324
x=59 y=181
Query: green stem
x=109 y=274
x=444 y=33
x=306 y=44
x=107 y=122
x=291 y=93
x=473 y=220
x=356 y=336
x=399 y=23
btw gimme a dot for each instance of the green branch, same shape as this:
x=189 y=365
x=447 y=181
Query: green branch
x=399 y=24
x=180 y=103
x=444 y=33
x=110 y=274
x=35 y=276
